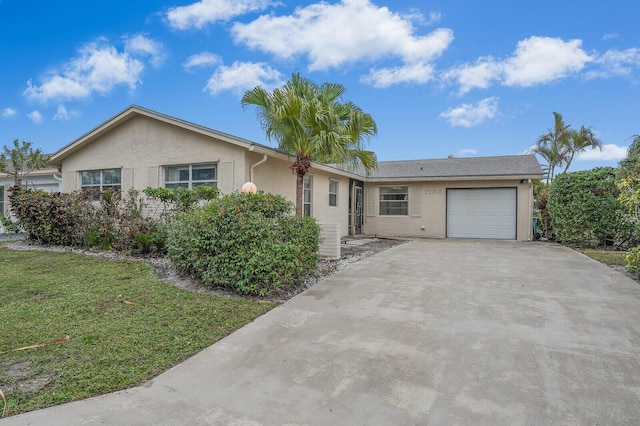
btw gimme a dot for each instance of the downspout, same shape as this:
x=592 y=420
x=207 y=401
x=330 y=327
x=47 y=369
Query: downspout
x=59 y=179
x=264 y=159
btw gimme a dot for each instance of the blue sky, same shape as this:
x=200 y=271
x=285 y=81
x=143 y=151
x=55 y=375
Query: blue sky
x=442 y=77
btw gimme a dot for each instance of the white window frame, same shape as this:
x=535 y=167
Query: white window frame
x=398 y=195
x=190 y=182
x=101 y=186
x=307 y=195
x=336 y=183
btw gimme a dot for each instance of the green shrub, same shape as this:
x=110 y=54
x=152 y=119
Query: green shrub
x=633 y=260
x=104 y=220
x=248 y=243
x=585 y=209
x=51 y=218
x=181 y=199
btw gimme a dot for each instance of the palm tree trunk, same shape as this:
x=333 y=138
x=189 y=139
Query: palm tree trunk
x=568 y=163
x=299 y=193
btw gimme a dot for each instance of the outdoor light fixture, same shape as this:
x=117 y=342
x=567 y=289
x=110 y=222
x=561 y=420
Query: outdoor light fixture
x=249 y=187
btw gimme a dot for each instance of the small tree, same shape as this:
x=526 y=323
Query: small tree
x=312 y=123
x=629 y=185
x=21 y=160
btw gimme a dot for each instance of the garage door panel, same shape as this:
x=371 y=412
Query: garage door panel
x=481 y=213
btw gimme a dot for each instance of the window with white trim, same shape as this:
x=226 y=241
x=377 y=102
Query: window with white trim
x=190 y=175
x=307 y=195
x=394 y=201
x=333 y=192
x=101 y=180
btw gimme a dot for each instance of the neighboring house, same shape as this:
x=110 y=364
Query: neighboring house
x=487 y=197
x=48 y=180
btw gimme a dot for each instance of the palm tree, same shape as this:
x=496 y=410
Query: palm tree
x=560 y=145
x=634 y=148
x=311 y=122
x=552 y=146
x=630 y=163
x=578 y=142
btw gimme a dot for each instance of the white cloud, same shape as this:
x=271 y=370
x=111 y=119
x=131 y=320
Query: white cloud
x=434 y=18
x=610 y=36
x=416 y=16
x=9 y=112
x=536 y=60
x=333 y=35
x=63 y=114
x=35 y=116
x=609 y=152
x=99 y=68
x=199 y=14
x=242 y=76
x=412 y=73
x=617 y=63
x=141 y=45
x=469 y=115
x=466 y=152
x=476 y=76
x=204 y=59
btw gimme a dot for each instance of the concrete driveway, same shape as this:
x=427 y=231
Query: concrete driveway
x=438 y=332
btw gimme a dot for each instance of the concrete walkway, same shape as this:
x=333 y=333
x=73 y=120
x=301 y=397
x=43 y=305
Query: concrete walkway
x=436 y=332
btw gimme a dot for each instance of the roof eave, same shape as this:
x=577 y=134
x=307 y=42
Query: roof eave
x=133 y=111
x=376 y=179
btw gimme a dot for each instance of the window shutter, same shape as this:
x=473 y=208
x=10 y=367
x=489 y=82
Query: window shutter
x=416 y=201
x=225 y=177
x=70 y=182
x=153 y=180
x=370 y=201
x=127 y=179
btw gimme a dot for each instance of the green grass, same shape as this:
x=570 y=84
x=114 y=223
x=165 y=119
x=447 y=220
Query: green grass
x=113 y=345
x=608 y=257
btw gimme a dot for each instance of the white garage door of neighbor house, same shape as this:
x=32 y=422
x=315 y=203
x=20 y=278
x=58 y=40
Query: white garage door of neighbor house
x=481 y=213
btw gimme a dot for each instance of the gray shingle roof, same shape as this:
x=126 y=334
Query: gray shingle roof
x=511 y=165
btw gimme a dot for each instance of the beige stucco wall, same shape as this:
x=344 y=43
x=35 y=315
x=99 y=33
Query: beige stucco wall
x=428 y=219
x=275 y=176
x=141 y=146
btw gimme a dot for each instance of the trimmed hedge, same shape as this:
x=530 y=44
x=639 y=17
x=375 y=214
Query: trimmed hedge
x=248 y=243
x=585 y=209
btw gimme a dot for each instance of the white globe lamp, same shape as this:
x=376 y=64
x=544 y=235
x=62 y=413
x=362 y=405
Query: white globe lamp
x=249 y=187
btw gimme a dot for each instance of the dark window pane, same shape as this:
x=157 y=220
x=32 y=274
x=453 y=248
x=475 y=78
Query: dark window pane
x=175 y=174
x=91 y=177
x=111 y=176
x=204 y=172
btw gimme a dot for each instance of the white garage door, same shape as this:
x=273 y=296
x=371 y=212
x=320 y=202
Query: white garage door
x=481 y=213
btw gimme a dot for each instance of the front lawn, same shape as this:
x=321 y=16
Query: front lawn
x=123 y=326
x=608 y=257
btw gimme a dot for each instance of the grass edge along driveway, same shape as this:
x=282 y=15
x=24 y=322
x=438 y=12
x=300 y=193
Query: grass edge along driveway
x=124 y=327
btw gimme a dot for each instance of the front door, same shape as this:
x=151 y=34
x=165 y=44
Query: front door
x=359 y=217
